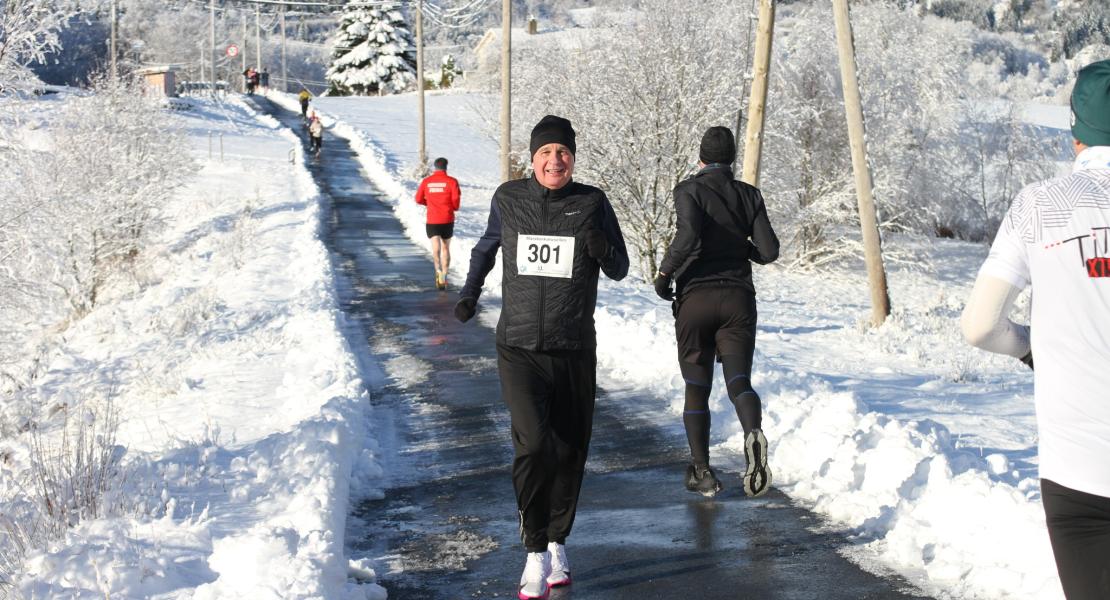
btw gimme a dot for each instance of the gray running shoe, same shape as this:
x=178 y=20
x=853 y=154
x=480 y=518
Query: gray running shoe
x=702 y=480
x=757 y=477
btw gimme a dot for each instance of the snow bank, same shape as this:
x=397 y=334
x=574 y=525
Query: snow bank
x=246 y=422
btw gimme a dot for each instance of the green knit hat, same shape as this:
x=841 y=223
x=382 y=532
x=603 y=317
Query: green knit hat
x=1090 y=105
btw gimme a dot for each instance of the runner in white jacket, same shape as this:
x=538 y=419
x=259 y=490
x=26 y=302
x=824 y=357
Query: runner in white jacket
x=1056 y=239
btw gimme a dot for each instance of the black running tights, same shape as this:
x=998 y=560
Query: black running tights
x=1079 y=529
x=699 y=383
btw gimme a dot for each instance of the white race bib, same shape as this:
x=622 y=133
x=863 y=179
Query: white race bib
x=544 y=255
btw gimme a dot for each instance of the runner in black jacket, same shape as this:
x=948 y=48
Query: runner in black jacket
x=722 y=228
x=555 y=235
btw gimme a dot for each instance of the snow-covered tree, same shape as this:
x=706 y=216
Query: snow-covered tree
x=28 y=31
x=372 y=52
x=448 y=71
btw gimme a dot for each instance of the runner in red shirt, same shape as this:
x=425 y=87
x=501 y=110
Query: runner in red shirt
x=440 y=193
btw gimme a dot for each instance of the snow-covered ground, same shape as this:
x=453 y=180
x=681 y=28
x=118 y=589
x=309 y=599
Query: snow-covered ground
x=241 y=408
x=921 y=448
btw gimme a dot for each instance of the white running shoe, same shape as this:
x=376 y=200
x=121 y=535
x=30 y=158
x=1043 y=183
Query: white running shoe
x=560 y=566
x=533 y=582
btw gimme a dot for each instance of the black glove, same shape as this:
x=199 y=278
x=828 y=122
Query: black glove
x=663 y=287
x=465 y=308
x=596 y=244
x=1028 y=360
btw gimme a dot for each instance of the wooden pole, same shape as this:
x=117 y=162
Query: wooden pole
x=115 y=26
x=257 y=36
x=853 y=109
x=506 y=86
x=284 y=87
x=212 y=41
x=422 y=155
x=736 y=133
x=243 y=50
x=761 y=67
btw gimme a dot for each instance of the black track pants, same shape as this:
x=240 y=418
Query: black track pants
x=550 y=396
x=1079 y=529
x=717 y=322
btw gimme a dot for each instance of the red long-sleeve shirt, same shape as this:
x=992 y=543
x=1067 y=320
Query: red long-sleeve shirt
x=440 y=193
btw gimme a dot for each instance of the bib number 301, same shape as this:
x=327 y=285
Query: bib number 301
x=545 y=255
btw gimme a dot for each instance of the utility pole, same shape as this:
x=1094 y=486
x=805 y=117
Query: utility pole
x=853 y=108
x=115 y=26
x=243 y=50
x=212 y=40
x=736 y=134
x=761 y=67
x=257 y=36
x=421 y=154
x=201 y=45
x=506 y=85
x=284 y=87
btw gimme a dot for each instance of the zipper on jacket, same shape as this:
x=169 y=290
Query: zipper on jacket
x=543 y=280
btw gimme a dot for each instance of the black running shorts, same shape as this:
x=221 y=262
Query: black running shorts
x=443 y=230
x=715 y=321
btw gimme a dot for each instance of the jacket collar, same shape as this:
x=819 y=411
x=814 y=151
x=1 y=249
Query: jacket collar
x=537 y=188
x=1094 y=157
x=715 y=168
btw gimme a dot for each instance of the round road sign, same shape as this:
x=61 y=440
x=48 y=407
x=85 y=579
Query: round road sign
x=233 y=50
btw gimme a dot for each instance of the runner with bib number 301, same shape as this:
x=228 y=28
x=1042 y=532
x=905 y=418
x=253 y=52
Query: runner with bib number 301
x=556 y=235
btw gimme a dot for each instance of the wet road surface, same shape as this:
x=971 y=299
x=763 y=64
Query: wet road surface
x=447 y=525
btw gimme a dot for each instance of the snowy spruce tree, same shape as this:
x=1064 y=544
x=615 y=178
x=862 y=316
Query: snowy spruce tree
x=372 y=52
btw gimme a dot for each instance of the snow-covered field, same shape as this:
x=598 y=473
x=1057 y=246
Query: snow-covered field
x=241 y=408
x=921 y=448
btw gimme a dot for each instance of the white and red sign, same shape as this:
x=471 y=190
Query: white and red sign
x=232 y=50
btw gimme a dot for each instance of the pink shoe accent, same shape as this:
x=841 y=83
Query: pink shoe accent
x=546 y=592
x=561 y=582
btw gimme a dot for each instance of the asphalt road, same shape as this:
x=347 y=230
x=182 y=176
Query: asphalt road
x=446 y=527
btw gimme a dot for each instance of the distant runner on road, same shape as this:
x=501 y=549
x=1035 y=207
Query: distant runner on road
x=1055 y=239
x=555 y=235
x=440 y=193
x=304 y=97
x=722 y=228
x=316 y=134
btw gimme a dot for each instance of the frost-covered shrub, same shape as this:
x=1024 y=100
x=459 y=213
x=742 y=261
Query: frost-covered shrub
x=28 y=32
x=72 y=473
x=939 y=162
x=80 y=204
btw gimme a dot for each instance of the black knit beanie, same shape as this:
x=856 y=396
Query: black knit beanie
x=551 y=130
x=717 y=146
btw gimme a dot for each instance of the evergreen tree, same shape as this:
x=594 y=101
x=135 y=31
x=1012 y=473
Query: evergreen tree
x=372 y=52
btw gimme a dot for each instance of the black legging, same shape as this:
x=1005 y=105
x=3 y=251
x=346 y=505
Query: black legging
x=1079 y=529
x=699 y=383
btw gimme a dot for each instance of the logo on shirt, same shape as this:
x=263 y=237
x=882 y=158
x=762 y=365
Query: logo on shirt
x=1093 y=249
x=572 y=213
